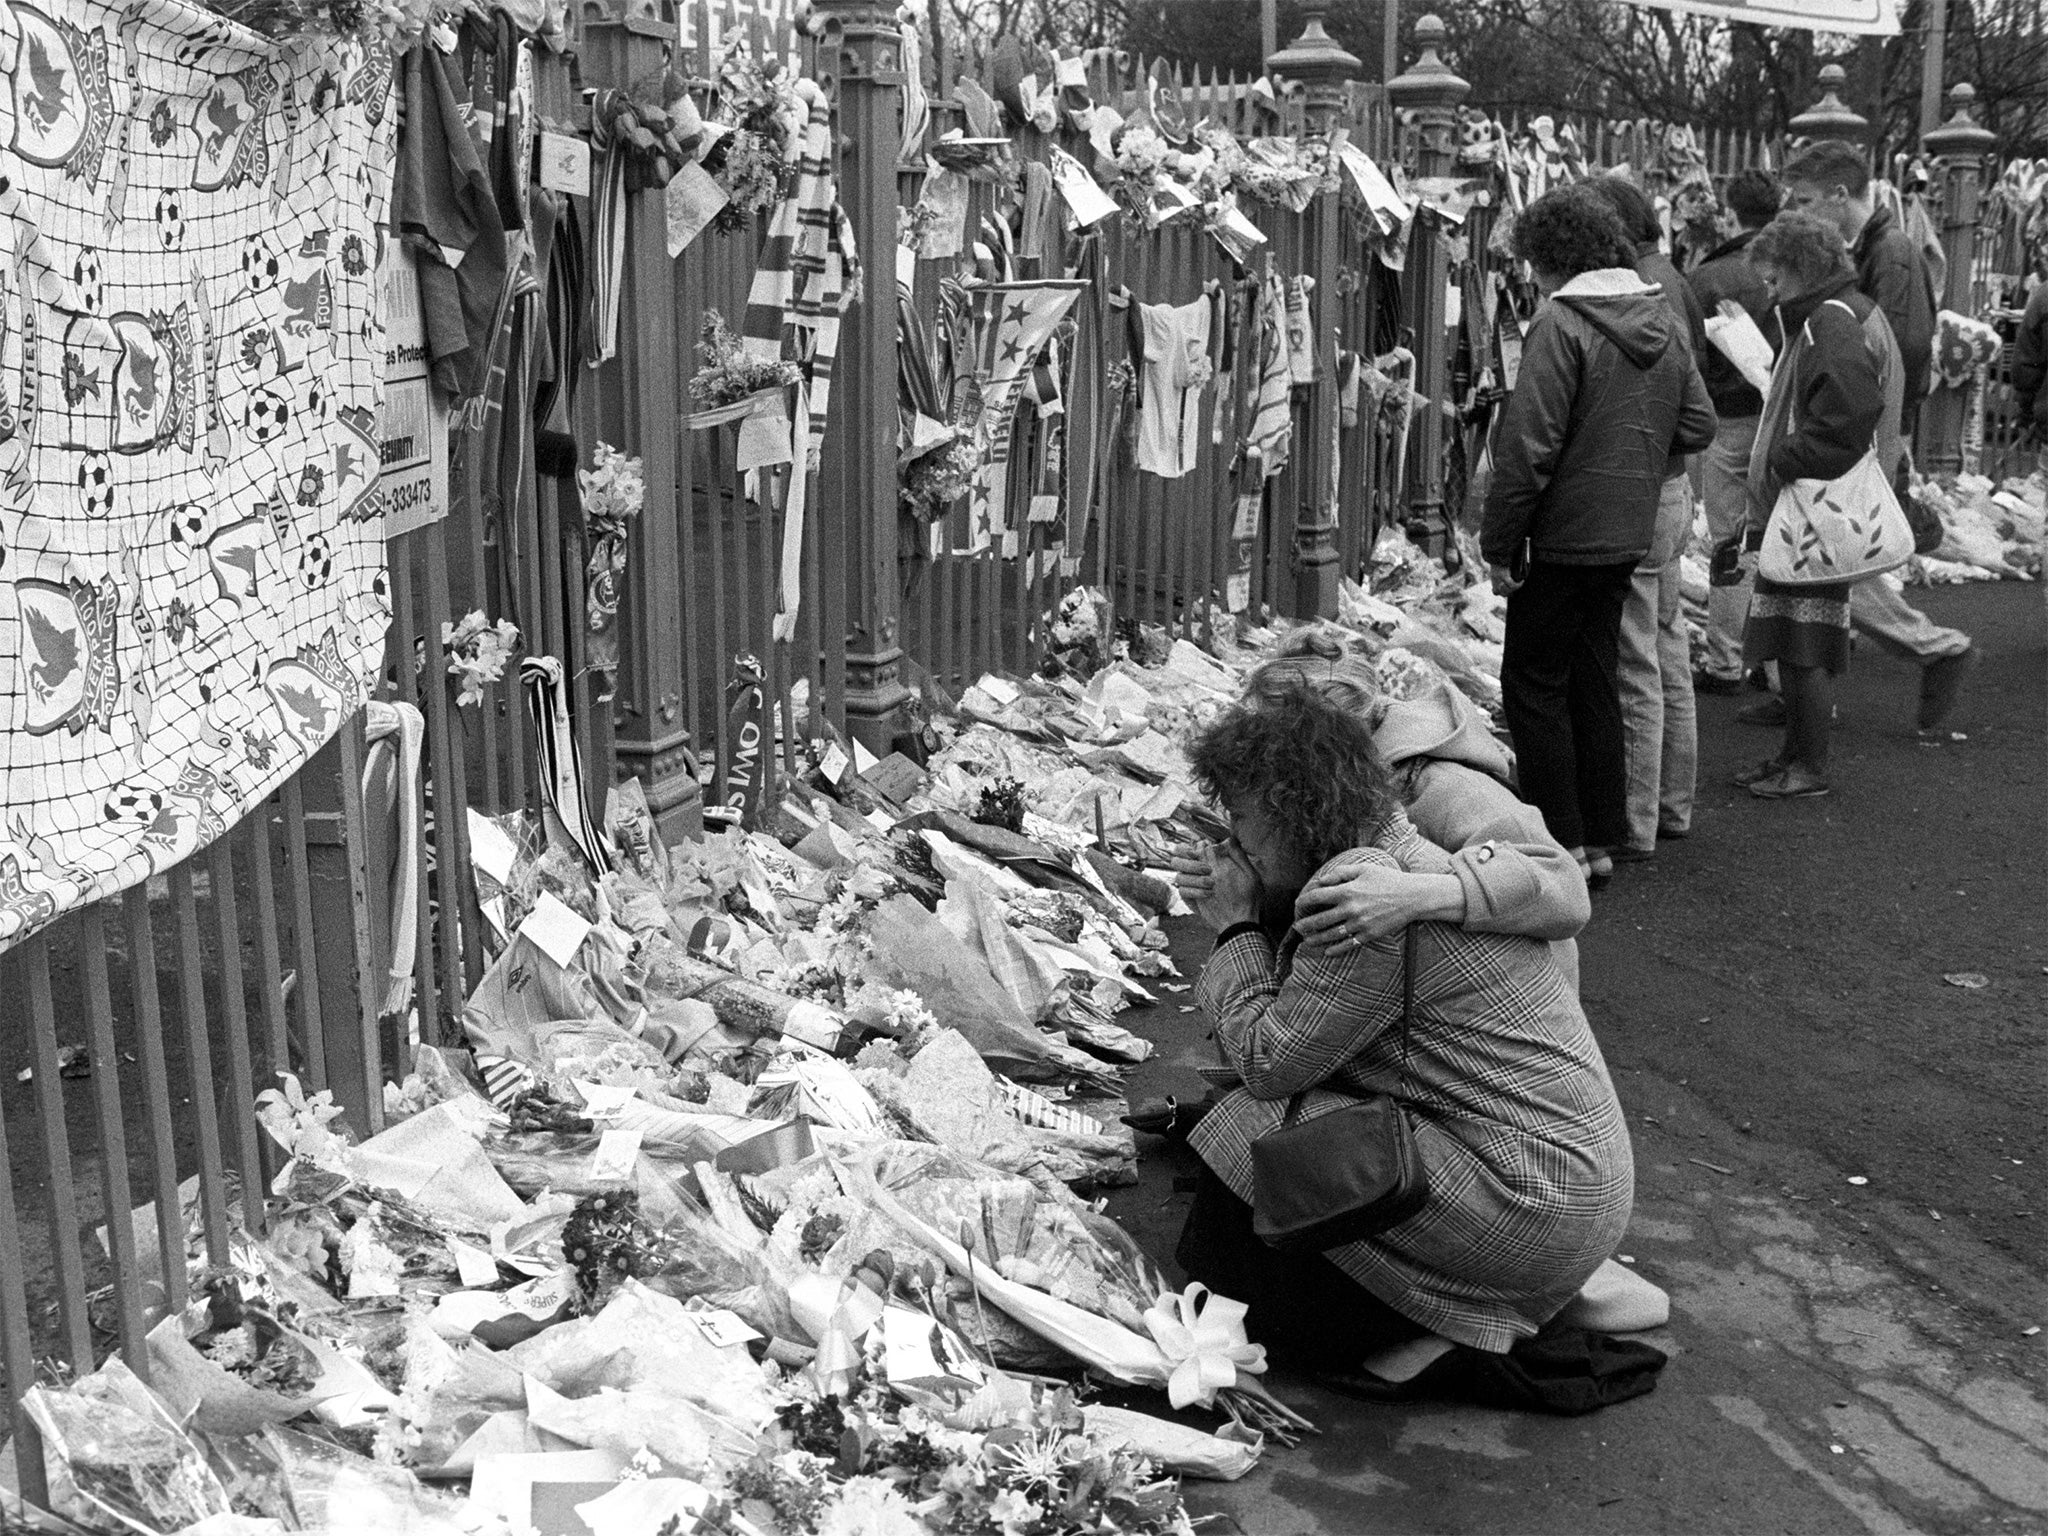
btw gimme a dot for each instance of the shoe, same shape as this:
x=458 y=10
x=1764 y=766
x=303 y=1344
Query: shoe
x=1769 y=768
x=1792 y=784
x=1769 y=712
x=1673 y=834
x=1599 y=870
x=1623 y=854
x=1758 y=680
x=1708 y=682
x=1941 y=683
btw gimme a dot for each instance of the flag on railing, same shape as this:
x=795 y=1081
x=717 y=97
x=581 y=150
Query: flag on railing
x=1876 y=17
x=1011 y=326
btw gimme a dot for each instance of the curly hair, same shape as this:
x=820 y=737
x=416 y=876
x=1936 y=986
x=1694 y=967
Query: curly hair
x=1808 y=247
x=1570 y=230
x=1631 y=205
x=1321 y=661
x=1309 y=763
x=1755 y=196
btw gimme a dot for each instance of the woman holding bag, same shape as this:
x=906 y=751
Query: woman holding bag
x=1834 y=398
x=1523 y=1175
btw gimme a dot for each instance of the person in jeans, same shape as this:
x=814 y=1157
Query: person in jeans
x=1753 y=198
x=1660 y=730
x=1607 y=395
x=1834 y=398
x=1831 y=180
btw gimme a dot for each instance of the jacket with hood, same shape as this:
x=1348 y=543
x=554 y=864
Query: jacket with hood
x=1834 y=397
x=2030 y=358
x=1453 y=775
x=1727 y=274
x=1891 y=270
x=1607 y=394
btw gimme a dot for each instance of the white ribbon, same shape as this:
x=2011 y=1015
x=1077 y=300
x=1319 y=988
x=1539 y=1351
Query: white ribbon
x=1202 y=1335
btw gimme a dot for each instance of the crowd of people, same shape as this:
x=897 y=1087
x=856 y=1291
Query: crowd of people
x=1396 y=903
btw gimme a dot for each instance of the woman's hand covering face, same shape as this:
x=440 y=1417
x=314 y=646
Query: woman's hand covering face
x=1234 y=891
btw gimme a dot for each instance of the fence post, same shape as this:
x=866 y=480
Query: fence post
x=860 y=66
x=637 y=411
x=1325 y=71
x=1432 y=91
x=348 y=865
x=1959 y=147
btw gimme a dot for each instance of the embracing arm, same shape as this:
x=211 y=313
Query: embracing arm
x=1516 y=877
x=1285 y=1034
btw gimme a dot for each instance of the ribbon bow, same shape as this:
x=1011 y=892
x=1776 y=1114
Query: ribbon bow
x=1202 y=1335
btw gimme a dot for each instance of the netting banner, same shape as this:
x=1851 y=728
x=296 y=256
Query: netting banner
x=191 y=553
x=1875 y=17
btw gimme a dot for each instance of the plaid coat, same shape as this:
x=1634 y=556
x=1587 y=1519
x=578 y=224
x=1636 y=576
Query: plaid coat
x=1531 y=1175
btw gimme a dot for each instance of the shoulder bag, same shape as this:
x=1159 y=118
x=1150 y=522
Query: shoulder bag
x=1347 y=1175
x=1823 y=532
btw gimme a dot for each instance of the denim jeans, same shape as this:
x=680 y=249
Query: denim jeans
x=1660 y=733
x=1900 y=628
x=1724 y=475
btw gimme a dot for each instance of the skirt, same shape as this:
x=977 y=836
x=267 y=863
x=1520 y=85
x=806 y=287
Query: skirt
x=1798 y=626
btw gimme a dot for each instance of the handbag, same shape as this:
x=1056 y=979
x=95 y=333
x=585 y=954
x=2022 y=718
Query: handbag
x=1343 y=1176
x=1825 y=532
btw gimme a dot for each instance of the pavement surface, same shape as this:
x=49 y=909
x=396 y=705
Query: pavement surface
x=1846 y=1357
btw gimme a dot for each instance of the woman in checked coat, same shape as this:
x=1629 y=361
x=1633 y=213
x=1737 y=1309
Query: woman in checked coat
x=1530 y=1171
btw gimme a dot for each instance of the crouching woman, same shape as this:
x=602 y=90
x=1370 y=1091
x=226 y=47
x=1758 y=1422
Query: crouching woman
x=1529 y=1168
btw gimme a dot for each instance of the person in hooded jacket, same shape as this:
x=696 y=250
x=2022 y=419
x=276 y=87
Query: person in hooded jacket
x=1606 y=396
x=2030 y=362
x=1660 y=727
x=1834 y=397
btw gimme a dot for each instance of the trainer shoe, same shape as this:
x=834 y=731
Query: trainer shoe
x=1769 y=768
x=1941 y=684
x=1792 y=784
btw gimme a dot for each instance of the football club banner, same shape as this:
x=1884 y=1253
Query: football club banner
x=1876 y=18
x=1012 y=324
x=192 y=594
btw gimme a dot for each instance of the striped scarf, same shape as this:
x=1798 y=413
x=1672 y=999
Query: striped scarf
x=803 y=283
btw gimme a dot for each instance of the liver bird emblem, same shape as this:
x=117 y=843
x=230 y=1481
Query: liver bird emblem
x=47 y=98
x=56 y=653
x=227 y=120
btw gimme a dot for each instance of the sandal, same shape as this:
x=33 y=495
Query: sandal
x=1792 y=784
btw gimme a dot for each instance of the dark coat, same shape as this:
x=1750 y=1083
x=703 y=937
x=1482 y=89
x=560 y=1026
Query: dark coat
x=1835 y=395
x=1891 y=270
x=1606 y=396
x=2030 y=358
x=1727 y=274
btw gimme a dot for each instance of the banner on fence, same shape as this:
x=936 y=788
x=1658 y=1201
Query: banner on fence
x=191 y=566
x=413 y=429
x=1877 y=17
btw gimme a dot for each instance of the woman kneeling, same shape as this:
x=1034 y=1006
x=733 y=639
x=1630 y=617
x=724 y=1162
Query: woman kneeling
x=1528 y=1161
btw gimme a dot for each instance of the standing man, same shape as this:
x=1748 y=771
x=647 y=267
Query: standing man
x=1753 y=198
x=1662 y=729
x=1830 y=179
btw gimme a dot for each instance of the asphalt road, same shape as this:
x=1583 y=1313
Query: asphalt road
x=1770 y=995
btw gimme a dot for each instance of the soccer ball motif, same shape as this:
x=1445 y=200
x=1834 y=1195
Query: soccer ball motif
x=85 y=272
x=266 y=415
x=170 y=219
x=259 y=264
x=190 y=524
x=316 y=562
x=129 y=806
x=313 y=400
x=96 y=485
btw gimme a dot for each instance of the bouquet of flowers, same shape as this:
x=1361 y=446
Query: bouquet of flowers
x=477 y=652
x=758 y=109
x=729 y=372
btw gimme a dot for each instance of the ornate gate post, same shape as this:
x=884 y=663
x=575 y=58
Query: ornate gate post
x=1959 y=147
x=860 y=65
x=1324 y=69
x=1432 y=91
x=636 y=410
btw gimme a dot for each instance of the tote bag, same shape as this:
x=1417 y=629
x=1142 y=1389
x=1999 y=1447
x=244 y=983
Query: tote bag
x=1826 y=532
